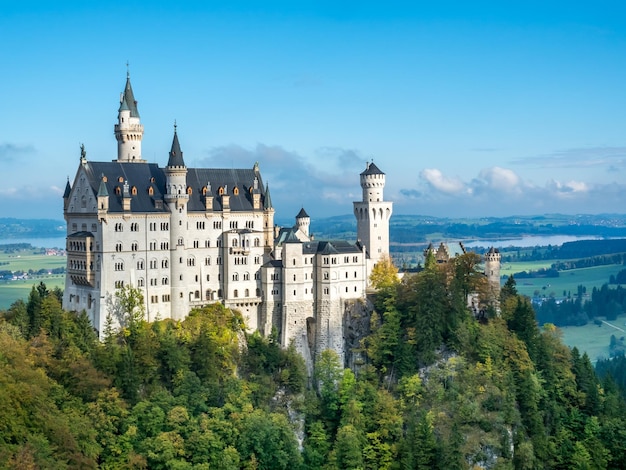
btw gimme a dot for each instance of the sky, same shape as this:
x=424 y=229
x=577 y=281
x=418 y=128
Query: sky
x=470 y=108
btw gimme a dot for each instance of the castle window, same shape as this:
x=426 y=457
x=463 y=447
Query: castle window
x=204 y=190
x=258 y=292
x=118 y=247
x=119 y=266
x=235 y=293
x=119 y=227
x=150 y=191
x=120 y=179
x=219 y=293
x=293 y=261
x=165 y=263
x=153 y=264
x=197 y=278
x=246 y=277
x=191 y=262
x=236 y=191
x=257 y=275
x=152 y=180
x=294 y=277
x=134 y=247
x=105 y=179
x=208 y=277
x=220 y=191
x=196 y=294
x=189 y=191
x=140 y=282
x=326 y=290
x=326 y=275
x=181 y=242
x=207 y=261
x=118 y=190
x=247 y=293
x=196 y=244
x=217 y=224
x=234 y=242
x=355 y=274
x=133 y=190
x=165 y=298
x=165 y=245
x=165 y=226
x=140 y=265
x=235 y=276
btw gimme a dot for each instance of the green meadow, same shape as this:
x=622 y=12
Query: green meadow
x=567 y=281
x=25 y=260
x=594 y=339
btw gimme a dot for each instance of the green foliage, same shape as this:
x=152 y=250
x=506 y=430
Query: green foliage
x=439 y=390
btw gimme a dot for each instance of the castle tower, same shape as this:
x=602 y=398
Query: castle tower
x=268 y=220
x=176 y=198
x=373 y=214
x=492 y=269
x=128 y=130
x=303 y=222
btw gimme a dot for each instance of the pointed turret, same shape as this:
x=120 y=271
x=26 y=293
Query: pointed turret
x=267 y=201
x=176 y=154
x=128 y=130
x=303 y=222
x=66 y=194
x=103 y=199
x=128 y=101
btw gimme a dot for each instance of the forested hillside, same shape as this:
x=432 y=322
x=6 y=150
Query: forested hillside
x=437 y=388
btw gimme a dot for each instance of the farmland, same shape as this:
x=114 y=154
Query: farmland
x=27 y=263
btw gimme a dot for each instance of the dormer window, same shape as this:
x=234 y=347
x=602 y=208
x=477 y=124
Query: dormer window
x=204 y=190
x=133 y=190
x=151 y=191
x=189 y=190
x=120 y=179
x=118 y=190
x=221 y=191
x=236 y=191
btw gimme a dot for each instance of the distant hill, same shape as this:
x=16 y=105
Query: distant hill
x=409 y=229
x=31 y=228
x=404 y=229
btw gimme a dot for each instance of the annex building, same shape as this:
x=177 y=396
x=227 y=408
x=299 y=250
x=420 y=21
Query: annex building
x=187 y=237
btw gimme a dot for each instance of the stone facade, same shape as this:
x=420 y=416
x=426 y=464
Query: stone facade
x=187 y=237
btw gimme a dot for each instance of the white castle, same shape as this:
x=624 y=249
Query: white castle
x=188 y=237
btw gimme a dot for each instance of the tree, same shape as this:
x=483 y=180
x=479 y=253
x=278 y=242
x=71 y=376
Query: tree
x=384 y=274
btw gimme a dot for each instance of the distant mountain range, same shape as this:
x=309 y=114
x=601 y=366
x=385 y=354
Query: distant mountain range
x=404 y=229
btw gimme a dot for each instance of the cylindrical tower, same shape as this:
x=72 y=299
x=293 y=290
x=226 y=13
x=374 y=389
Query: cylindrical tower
x=177 y=198
x=128 y=130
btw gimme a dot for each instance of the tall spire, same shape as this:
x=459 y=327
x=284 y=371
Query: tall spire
x=128 y=130
x=267 y=201
x=176 y=154
x=128 y=100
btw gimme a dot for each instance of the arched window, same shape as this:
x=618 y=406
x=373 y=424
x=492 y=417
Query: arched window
x=133 y=190
x=189 y=191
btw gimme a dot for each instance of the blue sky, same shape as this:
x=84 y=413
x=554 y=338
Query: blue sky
x=470 y=108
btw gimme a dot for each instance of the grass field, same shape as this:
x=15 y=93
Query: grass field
x=25 y=260
x=567 y=281
x=594 y=339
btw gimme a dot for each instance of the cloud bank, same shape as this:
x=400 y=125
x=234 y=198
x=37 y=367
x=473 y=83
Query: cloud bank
x=501 y=191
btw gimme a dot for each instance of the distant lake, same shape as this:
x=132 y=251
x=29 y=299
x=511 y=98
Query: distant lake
x=51 y=242
x=523 y=242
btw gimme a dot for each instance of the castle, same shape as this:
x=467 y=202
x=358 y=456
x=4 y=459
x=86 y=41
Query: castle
x=187 y=237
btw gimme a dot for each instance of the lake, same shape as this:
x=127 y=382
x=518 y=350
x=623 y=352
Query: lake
x=529 y=241
x=51 y=242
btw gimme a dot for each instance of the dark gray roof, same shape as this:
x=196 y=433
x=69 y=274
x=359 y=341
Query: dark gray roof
x=267 y=200
x=176 y=154
x=128 y=99
x=330 y=247
x=372 y=169
x=80 y=235
x=275 y=263
x=144 y=176
x=302 y=214
x=68 y=190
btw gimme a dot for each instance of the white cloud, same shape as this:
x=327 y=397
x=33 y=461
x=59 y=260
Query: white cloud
x=436 y=179
x=501 y=191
